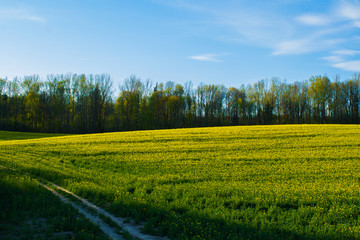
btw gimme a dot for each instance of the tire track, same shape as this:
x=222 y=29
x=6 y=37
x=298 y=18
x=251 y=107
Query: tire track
x=94 y=219
x=133 y=230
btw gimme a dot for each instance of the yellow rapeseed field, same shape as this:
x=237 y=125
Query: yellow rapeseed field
x=245 y=182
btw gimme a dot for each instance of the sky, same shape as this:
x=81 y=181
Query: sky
x=230 y=42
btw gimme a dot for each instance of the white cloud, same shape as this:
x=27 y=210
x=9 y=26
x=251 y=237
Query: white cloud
x=339 y=60
x=347 y=52
x=268 y=25
x=209 y=57
x=311 y=43
x=262 y=27
x=239 y=21
x=293 y=47
x=254 y=26
x=20 y=14
x=333 y=59
x=313 y=20
x=349 y=10
x=348 y=66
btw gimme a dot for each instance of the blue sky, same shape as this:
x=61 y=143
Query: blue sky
x=222 y=42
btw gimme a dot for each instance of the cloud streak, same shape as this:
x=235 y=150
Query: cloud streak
x=334 y=59
x=270 y=26
x=338 y=60
x=348 y=65
x=298 y=46
x=20 y=14
x=349 y=10
x=313 y=20
x=347 y=52
x=208 y=57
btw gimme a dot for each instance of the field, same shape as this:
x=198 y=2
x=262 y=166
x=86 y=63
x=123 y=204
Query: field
x=254 y=182
x=28 y=211
x=4 y=135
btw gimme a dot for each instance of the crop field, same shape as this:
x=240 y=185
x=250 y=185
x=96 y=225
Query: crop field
x=4 y=135
x=253 y=182
x=27 y=211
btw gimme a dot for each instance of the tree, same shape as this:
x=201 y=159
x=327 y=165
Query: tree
x=3 y=100
x=212 y=97
x=335 y=105
x=353 y=86
x=190 y=105
x=32 y=87
x=105 y=87
x=304 y=102
x=176 y=107
x=234 y=102
x=15 y=105
x=250 y=103
x=320 y=93
x=158 y=107
x=84 y=103
x=96 y=110
x=264 y=102
x=128 y=103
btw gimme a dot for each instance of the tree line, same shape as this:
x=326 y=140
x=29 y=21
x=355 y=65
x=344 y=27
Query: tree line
x=78 y=103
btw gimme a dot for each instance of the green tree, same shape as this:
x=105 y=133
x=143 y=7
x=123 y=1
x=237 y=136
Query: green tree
x=234 y=102
x=353 y=86
x=3 y=100
x=320 y=92
x=128 y=103
x=32 y=86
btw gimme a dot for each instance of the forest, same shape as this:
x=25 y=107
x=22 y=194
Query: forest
x=79 y=103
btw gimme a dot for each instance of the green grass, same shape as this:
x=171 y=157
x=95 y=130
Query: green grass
x=5 y=135
x=28 y=211
x=255 y=182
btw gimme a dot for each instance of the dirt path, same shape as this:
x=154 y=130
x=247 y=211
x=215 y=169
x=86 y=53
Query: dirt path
x=94 y=219
x=133 y=230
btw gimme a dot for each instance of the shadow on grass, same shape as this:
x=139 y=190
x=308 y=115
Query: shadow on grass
x=40 y=174
x=180 y=222
x=9 y=135
x=28 y=211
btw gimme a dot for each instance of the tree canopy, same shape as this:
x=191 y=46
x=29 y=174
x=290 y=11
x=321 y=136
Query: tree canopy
x=72 y=103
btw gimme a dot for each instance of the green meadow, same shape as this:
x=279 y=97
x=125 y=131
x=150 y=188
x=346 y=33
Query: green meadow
x=28 y=211
x=4 y=135
x=244 y=182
